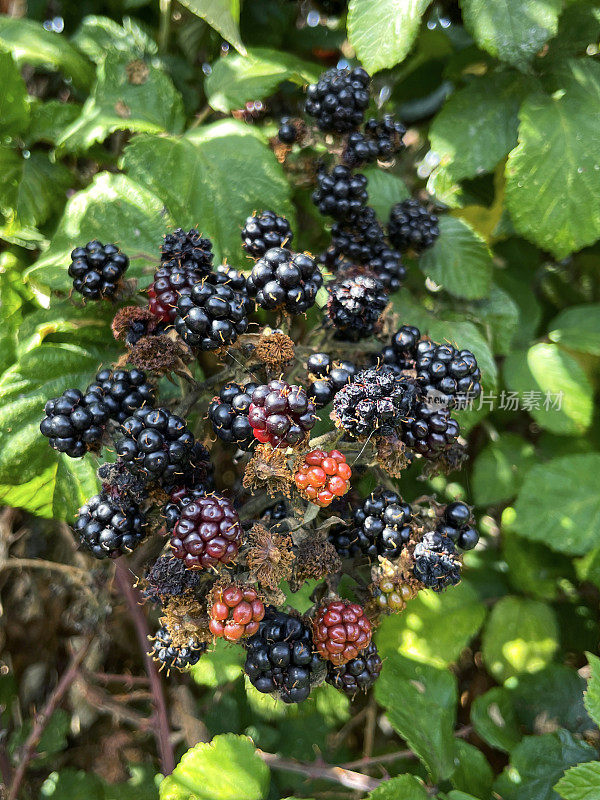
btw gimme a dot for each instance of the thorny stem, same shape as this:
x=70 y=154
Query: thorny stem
x=161 y=728
x=352 y=780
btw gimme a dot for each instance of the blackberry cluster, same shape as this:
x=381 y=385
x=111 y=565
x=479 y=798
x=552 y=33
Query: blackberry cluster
x=412 y=227
x=355 y=305
x=381 y=527
x=110 y=526
x=340 y=194
x=285 y=280
x=281 y=414
x=380 y=139
x=263 y=231
x=358 y=674
x=165 y=653
x=443 y=369
x=228 y=414
x=97 y=270
x=430 y=431
x=213 y=315
x=280 y=658
x=122 y=392
x=436 y=563
x=207 y=533
x=327 y=377
x=74 y=423
x=323 y=476
x=155 y=443
x=340 y=631
x=339 y=99
x=360 y=240
x=374 y=403
x=456 y=525
x=388 y=268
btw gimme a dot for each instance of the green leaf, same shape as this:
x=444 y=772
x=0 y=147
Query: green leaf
x=385 y=189
x=551 y=698
x=592 y=694
x=578 y=328
x=459 y=261
x=581 y=782
x=500 y=468
x=222 y=15
x=49 y=119
x=383 y=31
x=512 y=30
x=500 y=314
x=112 y=209
x=128 y=95
x=473 y=774
x=97 y=36
x=408 y=787
x=477 y=126
x=235 y=78
x=14 y=110
x=71 y=784
x=228 y=768
x=75 y=483
x=220 y=665
x=420 y=702
x=434 y=628
x=552 y=387
x=494 y=719
x=558 y=156
x=11 y=304
x=559 y=504
x=520 y=636
x=33 y=188
x=538 y=762
x=35 y=495
x=194 y=180
x=30 y=43
x=532 y=567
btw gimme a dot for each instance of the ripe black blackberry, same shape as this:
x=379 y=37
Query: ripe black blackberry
x=285 y=280
x=188 y=250
x=97 y=270
x=288 y=132
x=228 y=413
x=380 y=139
x=456 y=525
x=375 y=402
x=436 y=562
x=196 y=473
x=441 y=368
x=388 y=268
x=122 y=391
x=275 y=513
x=338 y=100
x=381 y=525
x=110 y=526
x=355 y=305
x=359 y=240
x=280 y=658
x=74 y=423
x=430 y=431
x=358 y=674
x=265 y=230
x=412 y=227
x=156 y=444
x=328 y=377
x=169 y=657
x=404 y=345
x=213 y=315
x=340 y=194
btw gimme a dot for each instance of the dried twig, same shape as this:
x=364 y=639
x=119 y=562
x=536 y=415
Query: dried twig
x=322 y=771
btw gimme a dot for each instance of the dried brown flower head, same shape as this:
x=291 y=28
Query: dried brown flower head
x=185 y=619
x=315 y=558
x=131 y=318
x=275 y=349
x=391 y=456
x=159 y=354
x=268 y=469
x=269 y=556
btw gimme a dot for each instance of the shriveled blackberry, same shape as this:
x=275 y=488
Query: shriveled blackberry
x=388 y=268
x=168 y=577
x=381 y=525
x=169 y=657
x=288 y=132
x=441 y=368
x=155 y=443
x=412 y=227
x=213 y=315
x=281 y=414
x=228 y=413
x=338 y=100
x=340 y=194
x=436 y=563
x=265 y=230
x=122 y=391
x=457 y=526
x=208 y=532
x=74 y=423
x=110 y=526
x=357 y=675
x=340 y=631
x=361 y=239
x=430 y=431
x=280 y=658
x=355 y=305
x=97 y=270
x=375 y=402
x=285 y=280
x=380 y=139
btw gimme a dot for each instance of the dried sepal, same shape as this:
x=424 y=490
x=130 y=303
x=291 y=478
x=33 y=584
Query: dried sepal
x=185 y=619
x=268 y=469
x=316 y=558
x=392 y=456
x=274 y=349
x=269 y=556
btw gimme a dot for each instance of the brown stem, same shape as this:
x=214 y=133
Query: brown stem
x=352 y=780
x=162 y=732
x=43 y=718
x=5 y=767
x=108 y=677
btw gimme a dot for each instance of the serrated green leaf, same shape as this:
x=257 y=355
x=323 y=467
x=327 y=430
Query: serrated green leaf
x=14 y=109
x=49 y=119
x=459 y=261
x=559 y=504
x=11 y=304
x=551 y=698
x=235 y=78
x=592 y=694
x=219 y=665
x=532 y=567
x=552 y=387
x=494 y=719
x=36 y=495
x=420 y=702
x=383 y=31
x=512 y=30
x=558 y=156
x=228 y=768
x=33 y=187
x=520 y=636
x=75 y=483
x=385 y=189
x=500 y=314
x=222 y=15
x=500 y=468
x=578 y=328
x=473 y=775
x=408 y=787
x=97 y=36
x=581 y=782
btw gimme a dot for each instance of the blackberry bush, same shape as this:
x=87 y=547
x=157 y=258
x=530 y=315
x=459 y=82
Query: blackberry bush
x=97 y=270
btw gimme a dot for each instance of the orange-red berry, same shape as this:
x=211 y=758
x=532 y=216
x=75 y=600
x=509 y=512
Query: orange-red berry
x=236 y=613
x=323 y=476
x=341 y=631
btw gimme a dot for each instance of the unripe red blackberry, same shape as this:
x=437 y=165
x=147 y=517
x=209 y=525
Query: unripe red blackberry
x=338 y=100
x=340 y=194
x=285 y=280
x=430 y=431
x=97 y=270
x=357 y=675
x=169 y=656
x=323 y=476
x=74 y=423
x=412 y=227
x=228 y=413
x=122 y=391
x=265 y=230
x=436 y=562
x=355 y=305
x=207 y=533
x=110 y=526
x=341 y=631
x=235 y=613
x=281 y=414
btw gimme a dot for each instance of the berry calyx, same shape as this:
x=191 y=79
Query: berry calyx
x=323 y=476
x=340 y=631
x=235 y=613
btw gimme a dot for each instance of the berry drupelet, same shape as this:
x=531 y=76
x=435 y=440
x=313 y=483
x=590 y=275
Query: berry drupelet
x=122 y=392
x=281 y=414
x=265 y=230
x=381 y=525
x=235 y=613
x=357 y=675
x=288 y=132
x=338 y=100
x=169 y=657
x=74 y=423
x=213 y=315
x=207 y=533
x=323 y=476
x=340 y=194
x=436 y=563
x=228 y=414
x=412 y=227
x=355 y=305
x=341 y=631
x=110 y=526
x=282 y=280
x=97 y=270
